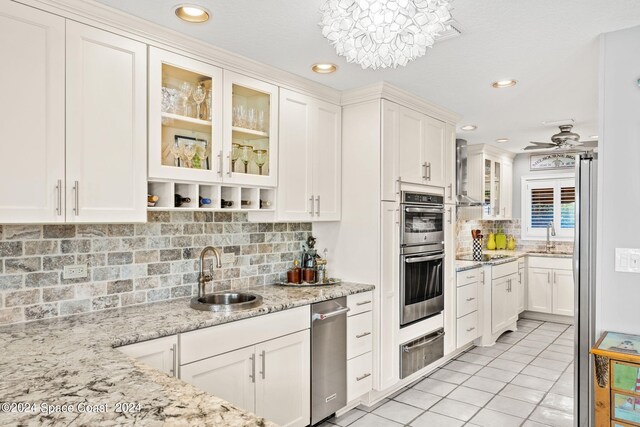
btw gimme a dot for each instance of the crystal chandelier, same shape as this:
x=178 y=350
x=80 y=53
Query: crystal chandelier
x=383 y=33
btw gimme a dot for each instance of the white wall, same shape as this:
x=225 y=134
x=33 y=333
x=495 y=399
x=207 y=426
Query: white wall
x=521 y=168
x=619 y=179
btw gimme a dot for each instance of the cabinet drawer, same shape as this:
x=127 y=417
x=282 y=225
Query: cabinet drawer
x=467 y=329
x=550 y=262
x=359 y=334
x=502 y=270
x=467 y=299
x=467 y=276
x=359 y=378
x=359 y=303
x=203 y=343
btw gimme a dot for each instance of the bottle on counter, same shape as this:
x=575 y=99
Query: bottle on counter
x=295 y=274
x=179 y=200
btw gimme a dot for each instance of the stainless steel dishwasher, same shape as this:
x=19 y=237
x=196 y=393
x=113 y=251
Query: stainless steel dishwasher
x=328 y=358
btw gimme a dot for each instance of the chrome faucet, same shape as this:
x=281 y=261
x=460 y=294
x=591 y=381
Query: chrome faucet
x=202 y=277
x=551 y=231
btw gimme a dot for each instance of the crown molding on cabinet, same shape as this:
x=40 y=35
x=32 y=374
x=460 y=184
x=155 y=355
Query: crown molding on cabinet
x=491 y=150
x=101 y=16
x=393 y=93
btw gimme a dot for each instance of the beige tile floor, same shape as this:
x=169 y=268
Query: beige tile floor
x=525 y=379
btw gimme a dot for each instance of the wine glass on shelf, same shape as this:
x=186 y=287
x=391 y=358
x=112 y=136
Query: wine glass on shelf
x=186 y=89
x=208 y=102
x=252 y=118
x=245 y=155
x=235 y=155
x=260 y=157
x=198 y=95
x=189 y=150
x=261 y=123
x=176 y=152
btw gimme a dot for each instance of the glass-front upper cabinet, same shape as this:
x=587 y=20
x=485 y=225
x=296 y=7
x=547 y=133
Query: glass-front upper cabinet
x=492 y=196
x=251 y=131
x=185 y=118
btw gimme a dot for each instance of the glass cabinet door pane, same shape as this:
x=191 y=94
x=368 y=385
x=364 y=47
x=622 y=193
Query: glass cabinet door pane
x=496 y=188
x=486 y=207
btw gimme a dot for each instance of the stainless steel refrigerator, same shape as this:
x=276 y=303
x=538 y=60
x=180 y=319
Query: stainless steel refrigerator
x=584 y=273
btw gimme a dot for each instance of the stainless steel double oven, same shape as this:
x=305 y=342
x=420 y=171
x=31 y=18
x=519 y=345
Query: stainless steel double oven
x=421 y=256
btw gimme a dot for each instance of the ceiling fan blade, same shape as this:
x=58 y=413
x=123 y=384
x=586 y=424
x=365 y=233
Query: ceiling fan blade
x=546 y=144
x=540 y=146
x=589 y=144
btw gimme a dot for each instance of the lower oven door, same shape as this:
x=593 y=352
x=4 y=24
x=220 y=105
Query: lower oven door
x=421 y=352
x=421 y=286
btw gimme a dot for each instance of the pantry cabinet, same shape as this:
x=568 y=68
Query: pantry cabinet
x=72 y=82
x=550 y=286
x=309 y=186
x=450 y=167
x=161 y=354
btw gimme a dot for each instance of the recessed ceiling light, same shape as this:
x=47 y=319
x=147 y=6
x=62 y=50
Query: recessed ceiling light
x=192 y=13
x=593 y=136
x=469 y=127
x=324 y=68
x=502 y=140
x=500 y=84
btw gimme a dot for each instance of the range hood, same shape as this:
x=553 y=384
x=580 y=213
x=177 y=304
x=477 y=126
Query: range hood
x=461 y=176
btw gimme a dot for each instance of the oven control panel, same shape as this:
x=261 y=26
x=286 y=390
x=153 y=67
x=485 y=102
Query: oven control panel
x=431 y=199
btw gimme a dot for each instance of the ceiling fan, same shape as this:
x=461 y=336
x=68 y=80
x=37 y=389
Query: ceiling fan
x=563 y=140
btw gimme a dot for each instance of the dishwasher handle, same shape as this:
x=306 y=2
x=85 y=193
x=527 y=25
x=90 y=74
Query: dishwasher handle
x=323 y=316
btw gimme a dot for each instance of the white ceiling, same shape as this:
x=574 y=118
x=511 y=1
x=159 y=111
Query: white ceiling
x=549 y=46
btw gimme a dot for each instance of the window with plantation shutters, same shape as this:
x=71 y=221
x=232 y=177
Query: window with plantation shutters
x=549 y=200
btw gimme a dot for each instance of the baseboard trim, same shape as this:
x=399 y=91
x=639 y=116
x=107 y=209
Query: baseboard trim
x=546 y=317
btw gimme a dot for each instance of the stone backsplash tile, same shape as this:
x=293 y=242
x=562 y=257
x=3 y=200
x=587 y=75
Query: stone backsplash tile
x=510 y=227
x=136 y=263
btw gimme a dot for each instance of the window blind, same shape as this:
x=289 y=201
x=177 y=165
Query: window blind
x=567 y=207
x=542 y=207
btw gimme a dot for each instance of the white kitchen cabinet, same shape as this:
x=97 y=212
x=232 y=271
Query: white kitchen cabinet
x=310 y=159
x=271 y=379
x=172 y=124
x=161 y=353
x=240 y=166
x=504 y=302
x=422 y=148
x=467 y=291
x=540 y=290
x=490 y=176
x=522 y=287
x=32 y=46
x=563 y=293
x=450 y=311
x=450 y=167
x=230 y=376
x=77 y=166
x=106 y=108
x=359 y=345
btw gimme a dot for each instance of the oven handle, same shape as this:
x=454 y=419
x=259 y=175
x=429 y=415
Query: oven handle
x=423 y=258
x=425 y=210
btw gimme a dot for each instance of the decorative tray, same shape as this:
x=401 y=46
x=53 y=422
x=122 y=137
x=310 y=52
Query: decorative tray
x=329 y=282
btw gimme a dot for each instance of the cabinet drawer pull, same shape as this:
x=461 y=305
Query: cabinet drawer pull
x=252 y=375
x=174 y=354
x=471 y=329
x=362 y=377
x=363 y=302
x=470 y=277
x=470 y=299
x=263 y=355
x=362 y=335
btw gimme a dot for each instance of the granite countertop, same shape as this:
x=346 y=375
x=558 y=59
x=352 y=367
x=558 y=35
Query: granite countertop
x=462 y=265
x=72 y=361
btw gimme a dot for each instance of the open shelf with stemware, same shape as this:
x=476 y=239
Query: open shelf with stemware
x=190 y=196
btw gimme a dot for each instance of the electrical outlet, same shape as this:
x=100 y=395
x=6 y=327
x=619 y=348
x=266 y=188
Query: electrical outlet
x=628 y=260
x=228 y=258
x=74 y=271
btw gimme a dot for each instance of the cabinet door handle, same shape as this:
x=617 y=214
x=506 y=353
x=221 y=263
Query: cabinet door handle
x=318 y=207
x=59 y=198
x=429 y=171
x=252 y=375
x=362 y=335
x=220 y=163
x=311 y=199
x=548 y=277
x=230 y=173
x=450 y=191
x=424 y=171
x=554 y=277
x=362 y=377
x=450 y=215
x=470 y=299
x=397 y=215
x=76 y=191
x=363 y=302
x=470 y=329
x=263 y=355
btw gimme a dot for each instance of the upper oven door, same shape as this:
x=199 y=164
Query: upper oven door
x=422 y=225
